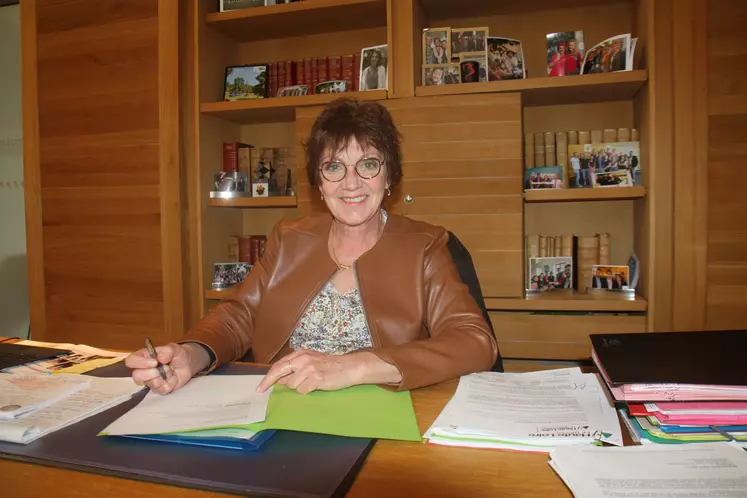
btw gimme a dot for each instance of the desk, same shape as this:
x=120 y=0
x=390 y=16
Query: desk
x=393 y=468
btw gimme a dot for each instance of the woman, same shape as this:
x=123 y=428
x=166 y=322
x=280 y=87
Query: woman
x=354 y=296
x=374 y=76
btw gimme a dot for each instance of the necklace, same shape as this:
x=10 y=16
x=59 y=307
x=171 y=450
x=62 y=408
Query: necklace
x=347 y=267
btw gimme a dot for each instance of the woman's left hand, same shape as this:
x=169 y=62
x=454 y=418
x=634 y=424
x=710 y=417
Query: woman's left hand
x=307 y=371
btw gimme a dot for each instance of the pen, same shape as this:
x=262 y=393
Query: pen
x=152 y=353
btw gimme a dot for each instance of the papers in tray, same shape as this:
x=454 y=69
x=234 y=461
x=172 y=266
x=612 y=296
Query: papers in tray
x=20 y=394
x=534 y=411
x=81 y=359
x=97 y=395
x=708 y=469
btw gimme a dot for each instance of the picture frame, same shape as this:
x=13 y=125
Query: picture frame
x=332 y=86
x=246 y=82
x=610 y=277
x=374 y=68
x=609 y=56
x=441 y=74
x=432 y=39
x=468 y=40
x=543 y=177
x=549 y=273
x=479 y=57
x=293 y=91
x=505 y=59
x=605 y=164
x=228 y=274
x=229 y=5
x=565 y=53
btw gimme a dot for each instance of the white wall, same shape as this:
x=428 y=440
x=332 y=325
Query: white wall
x=14 y=306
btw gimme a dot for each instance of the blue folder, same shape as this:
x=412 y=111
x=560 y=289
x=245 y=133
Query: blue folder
x=230 y=443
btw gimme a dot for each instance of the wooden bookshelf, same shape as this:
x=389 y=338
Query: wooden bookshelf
x=217 y=295
x=288 y=201
x=585 y=88
x=298 y=19
x=278 y=108
x=445 y=9
x=584 y=194
x=562 y=300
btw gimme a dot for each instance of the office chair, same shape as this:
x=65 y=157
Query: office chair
x=466 y=269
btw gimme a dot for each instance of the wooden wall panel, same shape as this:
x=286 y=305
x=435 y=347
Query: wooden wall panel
x=726 y=303
x=108 y=169
x=463 y=170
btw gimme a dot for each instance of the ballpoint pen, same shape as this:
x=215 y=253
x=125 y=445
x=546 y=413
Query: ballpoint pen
x=152 y=353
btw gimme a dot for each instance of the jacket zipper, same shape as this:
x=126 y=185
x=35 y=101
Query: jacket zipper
x=300 y=314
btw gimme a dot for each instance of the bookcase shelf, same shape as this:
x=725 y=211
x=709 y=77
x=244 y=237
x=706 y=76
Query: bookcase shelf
x=447 y=9
x=217 y=295
x=289 y=201
x=276 y=109
x=298 y=19
x=585 y=88
x=567 y=300
x=584 y=194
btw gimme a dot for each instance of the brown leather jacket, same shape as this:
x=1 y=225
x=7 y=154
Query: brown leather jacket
x=421 y=317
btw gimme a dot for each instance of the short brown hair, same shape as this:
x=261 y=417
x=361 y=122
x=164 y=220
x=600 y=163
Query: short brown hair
x=369 y=123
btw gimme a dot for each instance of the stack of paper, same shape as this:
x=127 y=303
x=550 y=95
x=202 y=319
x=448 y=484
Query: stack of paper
x=81 y=359
x=22 y=394
x=90 y=396
x=534 y=411
x=711 y=469
x=217 y=408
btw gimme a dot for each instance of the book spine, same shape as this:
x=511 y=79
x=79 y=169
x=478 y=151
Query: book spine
x=588 y=256
x=322 y=69
x=539 y=149
x=561 y=152
x=529 y=150
x=597 y=136
x=273 y=79
x=314 y=73
x=233 y=250
x=307 y=74
x=245 y=249
x=604 y=248
x=347 y=70
x=533 y=245
x=289 y=73
x=335 y=68
x=542 y=246
x=550 y=159
x=566 y=245
x=357 y=71
x=230 y=157
x=281 y=74
x=557 y=246
x=300 y=72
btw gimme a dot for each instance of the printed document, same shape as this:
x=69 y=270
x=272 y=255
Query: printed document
x=660 y=471
x=21 y=394
x=81 y=359
x=210 y=402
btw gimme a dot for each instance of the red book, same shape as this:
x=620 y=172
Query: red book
x=300 y=79
x=348 y=71
x=322 y=69
x=357 y=71
x=289 y=73
x=273 y=79
x=231 y=162
x=314 y=74
x=334 y=67
x=281 y=74
x=307 y=74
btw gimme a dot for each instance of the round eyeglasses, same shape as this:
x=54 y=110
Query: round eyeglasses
x=366 y=168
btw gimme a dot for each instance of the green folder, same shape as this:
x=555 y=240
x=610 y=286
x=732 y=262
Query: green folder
x=359 y=411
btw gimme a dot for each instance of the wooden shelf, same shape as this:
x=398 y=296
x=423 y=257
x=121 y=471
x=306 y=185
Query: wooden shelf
x=580 y=89
x=298 y=19
x=278 y=108
x=567 y=300
x=217 y=295
x=584 y=194
x=288 y=201
x=448 y=9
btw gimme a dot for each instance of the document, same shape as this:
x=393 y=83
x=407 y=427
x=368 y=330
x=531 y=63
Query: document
x=81 y=359
x=533 y=411
x=21 y=394
x=100 y=394
x=210 y=402
x=662 y=471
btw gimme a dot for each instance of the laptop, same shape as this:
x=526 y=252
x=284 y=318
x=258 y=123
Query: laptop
x=12 y=355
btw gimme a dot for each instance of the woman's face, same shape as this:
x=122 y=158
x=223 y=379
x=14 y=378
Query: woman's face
x=374 y=59
x=353 y=201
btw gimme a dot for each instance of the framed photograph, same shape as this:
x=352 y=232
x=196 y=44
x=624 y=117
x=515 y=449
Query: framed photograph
x=230 y=182
x=565 y=53
x=610 y=277
x=443 y=74
x=293 y=91
x=437 y=46
x=246 y=82
x=373 y=71
x=482 y=60
x=228 y=274
x=543 y=177
x=505 y=59
x=612 y=164
x=227 y=5
x=468 y=40
x=609 y=56
x=332 y=86
x=547 y=274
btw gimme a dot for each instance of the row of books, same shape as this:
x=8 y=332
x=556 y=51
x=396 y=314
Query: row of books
x=314 y=70
x=675 y=388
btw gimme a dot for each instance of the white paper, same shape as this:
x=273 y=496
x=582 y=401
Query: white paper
x=661 y=471
x=205 y=402
x=79 y=353
x=21 y=394
x=102 y=393
x=537 y=409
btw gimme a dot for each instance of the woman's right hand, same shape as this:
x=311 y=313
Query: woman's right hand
x=180 y=363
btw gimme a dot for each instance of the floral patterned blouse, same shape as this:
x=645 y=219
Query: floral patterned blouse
x=334 y=322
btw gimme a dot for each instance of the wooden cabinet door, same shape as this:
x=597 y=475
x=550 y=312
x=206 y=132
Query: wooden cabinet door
x=462 y=170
